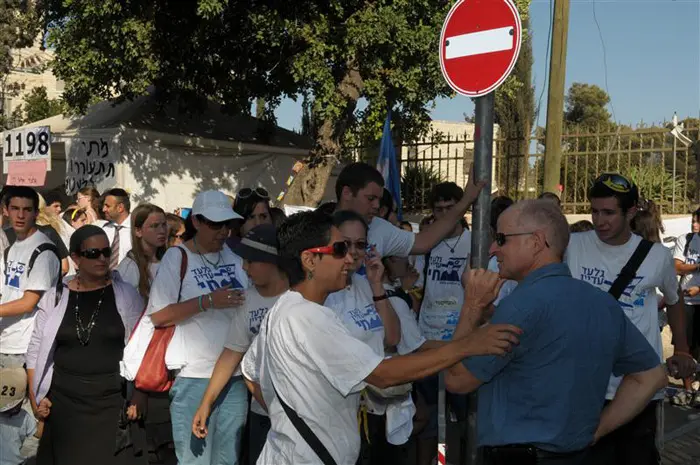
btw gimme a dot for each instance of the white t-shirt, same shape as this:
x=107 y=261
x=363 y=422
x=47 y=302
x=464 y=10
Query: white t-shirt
x=198 y=341
x=389 y=240
x=443 y=292
x=411 y=337
x=129 y=271
x=16 y=331
x=599 y=264
x=14 y=430
x=693 y=258
x=245 y=325
x=319 y=370
x=355 y=308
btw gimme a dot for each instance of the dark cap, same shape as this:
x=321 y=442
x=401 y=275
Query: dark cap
x=259 y=245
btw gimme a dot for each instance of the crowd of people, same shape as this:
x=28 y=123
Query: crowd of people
x=229 y=334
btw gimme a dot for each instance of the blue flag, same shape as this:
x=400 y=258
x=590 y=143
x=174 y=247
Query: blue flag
x=387 y=165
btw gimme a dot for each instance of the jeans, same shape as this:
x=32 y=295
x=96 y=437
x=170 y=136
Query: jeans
x=223 y=443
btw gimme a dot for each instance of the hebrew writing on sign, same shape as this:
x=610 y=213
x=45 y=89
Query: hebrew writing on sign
x=26 y=173
x=26 y=144
x=90 y=161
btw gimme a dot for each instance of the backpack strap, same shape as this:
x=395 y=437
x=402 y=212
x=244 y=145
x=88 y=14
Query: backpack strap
x=629 y=271
x=401 y=294
x=688 y=238
x=183 y=271
x=426 y=266
x=41 y=248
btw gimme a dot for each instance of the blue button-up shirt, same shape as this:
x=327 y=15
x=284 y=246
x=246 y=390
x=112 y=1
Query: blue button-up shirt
x=549 y=391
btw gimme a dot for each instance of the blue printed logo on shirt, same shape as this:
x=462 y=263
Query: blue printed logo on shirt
x=367 y=319
x=212 y=280
x=13 y=273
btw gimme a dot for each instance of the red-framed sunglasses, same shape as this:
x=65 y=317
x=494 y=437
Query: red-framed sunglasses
x=337 y=250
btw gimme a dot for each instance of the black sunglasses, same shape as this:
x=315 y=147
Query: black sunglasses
x=92 y=254
x=615 y=182
x=248 y=192
x=214 y=225
x=500 y=238
x=337 y=250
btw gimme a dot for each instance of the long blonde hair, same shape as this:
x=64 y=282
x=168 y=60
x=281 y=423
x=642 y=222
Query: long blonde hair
x=137 y=254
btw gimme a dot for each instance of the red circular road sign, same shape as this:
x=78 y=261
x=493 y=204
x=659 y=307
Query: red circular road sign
x=479 y=45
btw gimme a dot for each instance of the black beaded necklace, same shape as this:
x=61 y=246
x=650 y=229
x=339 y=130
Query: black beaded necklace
x=82 y=331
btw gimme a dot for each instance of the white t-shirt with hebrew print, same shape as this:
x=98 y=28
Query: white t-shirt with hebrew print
x=198 y=341
x=16 y=331
x=442 y=291
x=245 y=326
x=355 y=308
x=599 y=264
x=389 y=240
x=692 y=258
x=318 y=368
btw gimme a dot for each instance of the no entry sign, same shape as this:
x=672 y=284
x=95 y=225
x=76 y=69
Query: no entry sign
x=479 y=45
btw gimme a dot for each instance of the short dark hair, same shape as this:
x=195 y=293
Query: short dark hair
x=356 y=176
x=278 y=216
x=328 y=208
x=444 y=192
x=121 y=195
x=301 y=231
x=53 y=197
x=625 y=200
x=498 y=206
x=550 y=196
x=343 y=216
x=387 y=201
x=696 y=213
x=21 y=192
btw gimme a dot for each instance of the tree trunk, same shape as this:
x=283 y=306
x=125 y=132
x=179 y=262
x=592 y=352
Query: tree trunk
x=310 y=183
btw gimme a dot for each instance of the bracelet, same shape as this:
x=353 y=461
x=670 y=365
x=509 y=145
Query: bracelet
x=380 y=298
x=211 y=301
x=199 y=302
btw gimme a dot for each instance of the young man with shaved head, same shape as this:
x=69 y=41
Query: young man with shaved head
x=543 y=403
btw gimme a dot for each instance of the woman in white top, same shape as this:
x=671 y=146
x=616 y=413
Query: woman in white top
x=201 y=307
x=259 y=250
x=149 y=233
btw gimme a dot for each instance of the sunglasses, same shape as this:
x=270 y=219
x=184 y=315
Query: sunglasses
x=337 y=250
x=501 y=238
x=615 y=182
x=92 y=254
x=248 y=192
x=214 y=225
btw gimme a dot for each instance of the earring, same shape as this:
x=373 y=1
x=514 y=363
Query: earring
x=310 y=275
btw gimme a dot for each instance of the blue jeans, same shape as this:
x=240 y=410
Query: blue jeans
x=223 y=443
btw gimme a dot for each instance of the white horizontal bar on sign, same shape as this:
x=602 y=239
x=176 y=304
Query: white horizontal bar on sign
x=478 y=43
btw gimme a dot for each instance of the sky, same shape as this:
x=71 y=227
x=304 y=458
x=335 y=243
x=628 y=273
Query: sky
x=652 y=50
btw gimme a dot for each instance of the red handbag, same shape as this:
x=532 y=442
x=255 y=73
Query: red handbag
x=153 y=374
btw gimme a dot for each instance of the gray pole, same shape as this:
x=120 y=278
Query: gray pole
x=481 y=231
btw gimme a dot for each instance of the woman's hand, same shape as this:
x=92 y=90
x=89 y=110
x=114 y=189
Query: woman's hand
x=224 y=297
x=374 y=267
x=43 y=410
x=199 y=423
x=132 y=413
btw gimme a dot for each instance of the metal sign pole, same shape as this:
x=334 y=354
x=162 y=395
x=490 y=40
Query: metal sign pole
x=481 y=234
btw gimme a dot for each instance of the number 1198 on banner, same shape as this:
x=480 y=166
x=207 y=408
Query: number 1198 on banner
x=26 y=144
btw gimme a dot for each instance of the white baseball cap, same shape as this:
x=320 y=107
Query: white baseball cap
x=214 y=206
x=13 y=387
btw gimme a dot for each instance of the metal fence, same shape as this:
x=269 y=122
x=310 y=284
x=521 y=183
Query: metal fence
x=664 y=168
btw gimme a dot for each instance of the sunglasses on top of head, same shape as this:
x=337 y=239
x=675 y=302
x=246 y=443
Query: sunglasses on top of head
x=615 y=182
x=248 y=192
x=92 y=254
x=215 y=225
x=337 y=250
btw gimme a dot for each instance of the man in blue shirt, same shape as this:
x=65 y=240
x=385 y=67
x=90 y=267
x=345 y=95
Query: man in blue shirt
x=543 y=403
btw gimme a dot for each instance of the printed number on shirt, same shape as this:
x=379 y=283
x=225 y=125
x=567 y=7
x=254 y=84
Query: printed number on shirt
x=211 y=280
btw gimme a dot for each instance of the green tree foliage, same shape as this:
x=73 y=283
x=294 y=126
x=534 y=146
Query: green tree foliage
x=585 y=106
x=37 y=106
x=235 y=51
x=417 y=182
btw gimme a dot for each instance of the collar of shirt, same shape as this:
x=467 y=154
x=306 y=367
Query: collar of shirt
x=554 y=269
x=126 y=224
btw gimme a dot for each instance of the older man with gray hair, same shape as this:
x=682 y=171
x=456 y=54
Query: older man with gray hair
x=543 y=403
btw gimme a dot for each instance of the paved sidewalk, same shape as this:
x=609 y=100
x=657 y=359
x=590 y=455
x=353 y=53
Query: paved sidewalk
x=682 y=446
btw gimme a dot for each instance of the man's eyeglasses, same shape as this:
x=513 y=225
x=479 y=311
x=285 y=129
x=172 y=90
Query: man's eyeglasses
x=248 y=192
x=214 y=225
x=615 y=182
x=360 y=246
x=501 y=238
x=92 y=254
x=337 y=250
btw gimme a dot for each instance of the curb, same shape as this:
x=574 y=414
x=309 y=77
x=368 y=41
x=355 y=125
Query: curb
x=682 y=430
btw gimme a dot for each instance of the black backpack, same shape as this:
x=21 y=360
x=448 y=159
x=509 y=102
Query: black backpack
x=46 y=246
x=688 y=238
